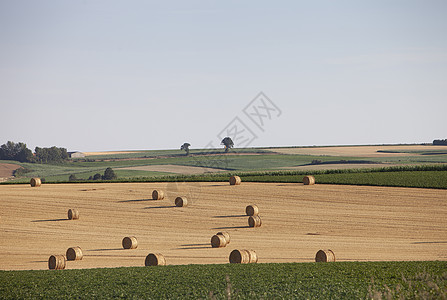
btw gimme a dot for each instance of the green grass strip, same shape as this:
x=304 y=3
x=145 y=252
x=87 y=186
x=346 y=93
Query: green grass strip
x=340 y=280
x=424 y=176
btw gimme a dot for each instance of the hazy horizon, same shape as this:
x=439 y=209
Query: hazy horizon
x=146 y=75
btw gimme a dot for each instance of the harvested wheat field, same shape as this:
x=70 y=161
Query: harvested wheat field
x=356 y=223
x=360 y=151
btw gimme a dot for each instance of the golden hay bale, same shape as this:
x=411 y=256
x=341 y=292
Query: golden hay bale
x=181 y=201
x=73 y=214
x=130 y=242
x=309 y=180
x=56 y=262
x=243 y=257
x=158 y=195
x=155 y=259
x=254 y=221
x=252 y=210
x=239 y=257
x=74 y=253
x=225 y=234
x=253 y=257
x=325 y=256
x=218 y=241
x=35 y=182
x=235 y=180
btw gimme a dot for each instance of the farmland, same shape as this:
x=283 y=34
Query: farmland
x=388 y=238
x=345 y=280
x=130 y=165
x=359 y=223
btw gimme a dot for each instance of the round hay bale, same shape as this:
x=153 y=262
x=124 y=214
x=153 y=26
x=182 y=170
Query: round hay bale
x=155 y=259
x=158 y=195
x=253 y=257
x=181 y=201
x=325 y=256
x=73 y=214
x=252 y=210
x=309 y=180
x=239 y=257
x=254 y=221
x=35 y=182
x=56 y=262
x=218 y=241
x=225 y=234
x=130 y=242
x=235 y=180
x=74 y=253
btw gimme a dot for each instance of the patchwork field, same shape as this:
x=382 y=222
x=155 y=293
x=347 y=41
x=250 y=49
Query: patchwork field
x=358 y=223
x=362 y=151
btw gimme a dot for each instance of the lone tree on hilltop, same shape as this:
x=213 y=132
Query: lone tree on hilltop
x=228 y=143
x=185 y=147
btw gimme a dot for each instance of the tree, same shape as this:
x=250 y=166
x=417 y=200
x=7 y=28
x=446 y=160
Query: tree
x=97 y=176
x=228 y=143
x=185 y=147
x=109 y=174
x=440 y=142
x=16 y=151
x=72 y=178
x=41 y=154
x=25 y=155
x=53 y=154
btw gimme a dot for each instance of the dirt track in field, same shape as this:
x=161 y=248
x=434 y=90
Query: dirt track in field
x=357 y=223
x=359 y=151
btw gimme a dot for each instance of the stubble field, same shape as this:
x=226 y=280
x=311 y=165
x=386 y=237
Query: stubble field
x=358 y=223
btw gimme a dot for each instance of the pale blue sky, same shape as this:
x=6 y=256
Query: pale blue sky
x=122 y=75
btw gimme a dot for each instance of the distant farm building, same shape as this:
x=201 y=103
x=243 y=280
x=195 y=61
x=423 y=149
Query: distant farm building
x=76 y=154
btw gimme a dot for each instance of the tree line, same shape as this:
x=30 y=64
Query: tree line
x=440 y=142
x=20 y=152
x=109 y=174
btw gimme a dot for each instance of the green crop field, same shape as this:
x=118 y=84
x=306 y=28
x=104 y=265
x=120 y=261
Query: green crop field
x=340 y=280
x=428 y=176
x=238 y=160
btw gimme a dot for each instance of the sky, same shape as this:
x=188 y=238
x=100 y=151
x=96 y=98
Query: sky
x=133 y=75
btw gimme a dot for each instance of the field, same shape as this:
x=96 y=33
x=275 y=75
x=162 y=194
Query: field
x=6 y=170
x=339 y=280
x=389 y=239
x=130 y=165
x=364 y=151
x=358 y=223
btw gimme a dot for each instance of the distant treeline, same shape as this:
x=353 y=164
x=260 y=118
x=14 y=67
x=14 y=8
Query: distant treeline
x=440 y=142
x=19 y=152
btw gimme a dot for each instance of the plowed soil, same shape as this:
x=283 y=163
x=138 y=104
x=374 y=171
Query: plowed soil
x=6 y=170
x=357 y=223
